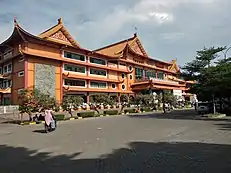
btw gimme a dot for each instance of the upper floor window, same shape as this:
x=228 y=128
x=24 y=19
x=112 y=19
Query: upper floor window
x=138 y=73
x=160 y=75
x=6 y=84
x=98 y=84
x=74 y=56
x=78 y=83
x=21 y=73
x=150 y=74
x=97 y=61
x=98 y=72
x=7 y=68
x=8 y=54
x=74 y=68
x=0 y=70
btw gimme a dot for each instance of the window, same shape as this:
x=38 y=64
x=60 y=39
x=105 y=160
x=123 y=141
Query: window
x=97 y=61
x=130 y=68
x=74 y=68
x=150 y=74
x=123 y=87
x=21 y=73
x=98 y=72
x=123 y=75
x=130 y=76
x=1 y=84
x=160 y=75
x=0 y=70
x=98 y=84
x=138 y=73
x=7 y=83
x=77 y=83
x=7 y=68
x=74 y=56
x=113 y=86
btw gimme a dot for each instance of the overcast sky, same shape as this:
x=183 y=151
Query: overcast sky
x=168 y=29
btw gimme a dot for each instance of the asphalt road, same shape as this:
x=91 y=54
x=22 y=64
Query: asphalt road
x=119 y=144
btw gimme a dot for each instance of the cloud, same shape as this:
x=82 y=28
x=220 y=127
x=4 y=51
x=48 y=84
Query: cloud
x=168 y=29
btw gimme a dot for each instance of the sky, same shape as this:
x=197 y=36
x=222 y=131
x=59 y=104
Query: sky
x=168 y=29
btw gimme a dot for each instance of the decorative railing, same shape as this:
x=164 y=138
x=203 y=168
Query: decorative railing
x=155 y=80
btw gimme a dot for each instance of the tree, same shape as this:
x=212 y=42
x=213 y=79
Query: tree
x=212 y=76
x=71 y=102
x=32 y=101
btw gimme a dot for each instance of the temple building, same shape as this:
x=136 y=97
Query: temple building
x=56 y=64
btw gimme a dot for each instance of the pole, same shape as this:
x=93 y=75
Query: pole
x=214 y=106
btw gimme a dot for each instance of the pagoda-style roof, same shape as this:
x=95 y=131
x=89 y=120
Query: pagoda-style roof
x=19 y=34
x=59 y=33
x=117 y=49
x=133 y=45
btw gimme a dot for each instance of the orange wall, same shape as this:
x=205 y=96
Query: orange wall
x=30 y=82
x=43 y=50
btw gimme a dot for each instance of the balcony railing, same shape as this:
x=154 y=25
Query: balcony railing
x=112 y=65
x=155 y=80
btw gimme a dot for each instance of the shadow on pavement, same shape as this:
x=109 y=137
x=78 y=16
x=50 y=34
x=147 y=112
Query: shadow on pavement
x=39 y=131
x=189 y=114
x=139 y=157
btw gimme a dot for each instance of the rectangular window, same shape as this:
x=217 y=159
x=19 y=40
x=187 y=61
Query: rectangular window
x=160 y=75
x=77 y=83
x=98 y=72
x=74 y=68
x=9 y=66
x=1 y=84
x=74 y=56
x=5 y=69
x=97 y=61
x=138 y=73
x=21 y=73
x=98 y=84
x=150 y=74
x=0 y=70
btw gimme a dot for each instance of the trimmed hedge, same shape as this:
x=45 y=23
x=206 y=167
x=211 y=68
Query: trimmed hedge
x=130 y=111
x=111 y=112
x=59 y=117
x=86 y=114
x=147 y=109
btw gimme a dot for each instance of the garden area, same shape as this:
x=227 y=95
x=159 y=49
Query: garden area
x=33 y=103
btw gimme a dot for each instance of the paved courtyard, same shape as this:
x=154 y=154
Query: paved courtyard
x=120 y=144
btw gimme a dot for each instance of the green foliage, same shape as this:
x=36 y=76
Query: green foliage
x=71 y=102
x=130 y=111
x=111 y=112
x=146 y=109
x=104 y=99
x=31 y=101
x=86 y=114
x=143 y=99
x=213 y=75
x=59 y=117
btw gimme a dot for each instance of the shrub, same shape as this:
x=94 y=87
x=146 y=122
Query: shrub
x=86 y=114
x=130 y=111
x=59 y=117
x=110 y=112
x=147 y=109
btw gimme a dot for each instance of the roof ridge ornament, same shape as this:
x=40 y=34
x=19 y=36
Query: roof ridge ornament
x=15 y=21
x=60 y=21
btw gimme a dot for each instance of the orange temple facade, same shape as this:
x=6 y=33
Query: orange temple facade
x=55 y=63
